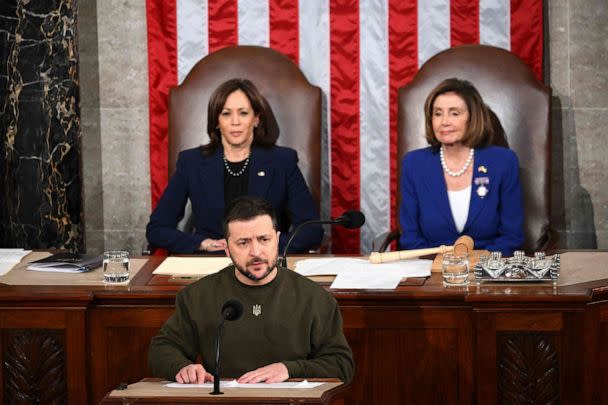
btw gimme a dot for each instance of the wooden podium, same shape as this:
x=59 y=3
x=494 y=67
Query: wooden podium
x=153 y=391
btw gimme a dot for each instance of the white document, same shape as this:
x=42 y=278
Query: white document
x=9 y=258
x=233 y=384
x=192 y=266
x=337 y=265
x=374 y=280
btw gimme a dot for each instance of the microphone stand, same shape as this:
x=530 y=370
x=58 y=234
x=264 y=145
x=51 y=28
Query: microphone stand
x=282 y=261
x=216 y=375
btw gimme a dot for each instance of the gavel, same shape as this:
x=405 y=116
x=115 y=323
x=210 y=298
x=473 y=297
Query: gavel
x=386 y=257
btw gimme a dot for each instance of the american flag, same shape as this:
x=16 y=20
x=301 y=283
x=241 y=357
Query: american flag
x=359 y=52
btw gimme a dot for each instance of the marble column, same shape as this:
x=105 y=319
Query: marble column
x=41 y=192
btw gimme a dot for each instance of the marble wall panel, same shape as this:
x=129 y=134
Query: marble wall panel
x=91 y=132
x=8 y=26
x=589 y=53
x=559 y=53
x=590 y=129
x=123 y=68
x=117 y=240
x=126 y=196
x=124 y=133
x=40 y=126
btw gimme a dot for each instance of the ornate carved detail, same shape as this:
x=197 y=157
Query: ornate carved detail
x=528 y=368
x=34 y=366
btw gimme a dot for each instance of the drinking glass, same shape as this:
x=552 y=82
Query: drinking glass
x=455 y=269
x=115 y=266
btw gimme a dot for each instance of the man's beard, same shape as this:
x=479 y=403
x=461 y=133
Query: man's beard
x=250 y=275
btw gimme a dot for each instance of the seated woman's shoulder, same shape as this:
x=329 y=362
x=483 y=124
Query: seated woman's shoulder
x=281 y=154
x=500 y=152
x=418 y=154
x=282 y=150
x=193 y=153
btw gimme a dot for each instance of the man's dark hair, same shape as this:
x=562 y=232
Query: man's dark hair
x=246 y=208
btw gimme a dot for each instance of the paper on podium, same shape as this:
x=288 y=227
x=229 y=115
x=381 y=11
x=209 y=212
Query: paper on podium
x=337 y=265
x=381 y=280
x=192 y=266
x=9 y=258
x=356 y=273
x=235 y=384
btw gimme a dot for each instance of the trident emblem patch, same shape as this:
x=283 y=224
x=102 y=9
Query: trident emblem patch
x=257 y=309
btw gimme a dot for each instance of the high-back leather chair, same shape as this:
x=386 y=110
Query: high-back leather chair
x=295 y=103
x=520 y=103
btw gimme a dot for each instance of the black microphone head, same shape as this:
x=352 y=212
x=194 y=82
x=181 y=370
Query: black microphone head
x=352 y=219
x=232 y=310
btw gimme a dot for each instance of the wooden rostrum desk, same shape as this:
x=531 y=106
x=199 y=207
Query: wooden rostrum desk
x=153 y=391
x=419 y=344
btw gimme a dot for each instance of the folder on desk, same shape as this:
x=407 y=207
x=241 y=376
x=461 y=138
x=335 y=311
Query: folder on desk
x=67 y=263
x=191 y=266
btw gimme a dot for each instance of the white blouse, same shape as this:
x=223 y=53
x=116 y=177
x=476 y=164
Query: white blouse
x=459 y=204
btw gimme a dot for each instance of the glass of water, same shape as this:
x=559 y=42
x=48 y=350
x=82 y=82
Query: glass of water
x=455 y=269
x=116 y=266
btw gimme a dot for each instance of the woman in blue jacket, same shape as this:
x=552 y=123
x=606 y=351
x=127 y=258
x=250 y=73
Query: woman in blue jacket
x=460 y=184
x=241 y=158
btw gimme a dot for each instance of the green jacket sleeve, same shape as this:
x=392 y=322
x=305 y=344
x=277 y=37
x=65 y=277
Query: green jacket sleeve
x=175 y=345
x=331 y=356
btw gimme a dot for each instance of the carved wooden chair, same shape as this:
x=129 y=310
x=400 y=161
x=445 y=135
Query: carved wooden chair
x=295 y=104
x=521 y=107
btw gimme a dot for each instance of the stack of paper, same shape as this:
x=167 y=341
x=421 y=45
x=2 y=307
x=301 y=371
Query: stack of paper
x=9 y=258
x=191 y=266
x=234 y=384
x=354 y=273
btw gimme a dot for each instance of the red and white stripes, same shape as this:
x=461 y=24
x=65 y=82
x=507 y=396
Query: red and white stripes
x=359 y=52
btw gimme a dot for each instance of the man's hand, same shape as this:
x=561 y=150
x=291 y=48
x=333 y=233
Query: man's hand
x=193 y=374
x=272 y=373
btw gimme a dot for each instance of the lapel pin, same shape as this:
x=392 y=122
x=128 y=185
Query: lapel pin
x=482 y=169
x=481 y=183
x=261 y=173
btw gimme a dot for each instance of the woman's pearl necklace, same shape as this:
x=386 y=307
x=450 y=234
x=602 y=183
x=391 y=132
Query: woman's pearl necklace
x=237 y=174
x=461 y=171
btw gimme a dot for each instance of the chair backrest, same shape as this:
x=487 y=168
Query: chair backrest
x=520 y=102
x=295 y=103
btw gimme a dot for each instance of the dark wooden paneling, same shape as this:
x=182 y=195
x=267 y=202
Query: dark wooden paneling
x=34 y=366
x=528 y=368
x=417 y=344
x=119 y=341
x=600 y=359
x=398 y=351
x=45 y=350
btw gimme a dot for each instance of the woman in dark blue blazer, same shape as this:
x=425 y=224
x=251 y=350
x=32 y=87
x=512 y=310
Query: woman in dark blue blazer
x=460 y=184
x=240 y=159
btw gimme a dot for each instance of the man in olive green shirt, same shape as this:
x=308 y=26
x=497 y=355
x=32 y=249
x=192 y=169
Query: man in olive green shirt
x=290 y=327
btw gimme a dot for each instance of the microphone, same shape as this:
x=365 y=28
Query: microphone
x=350 y=220
x=231 y=311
